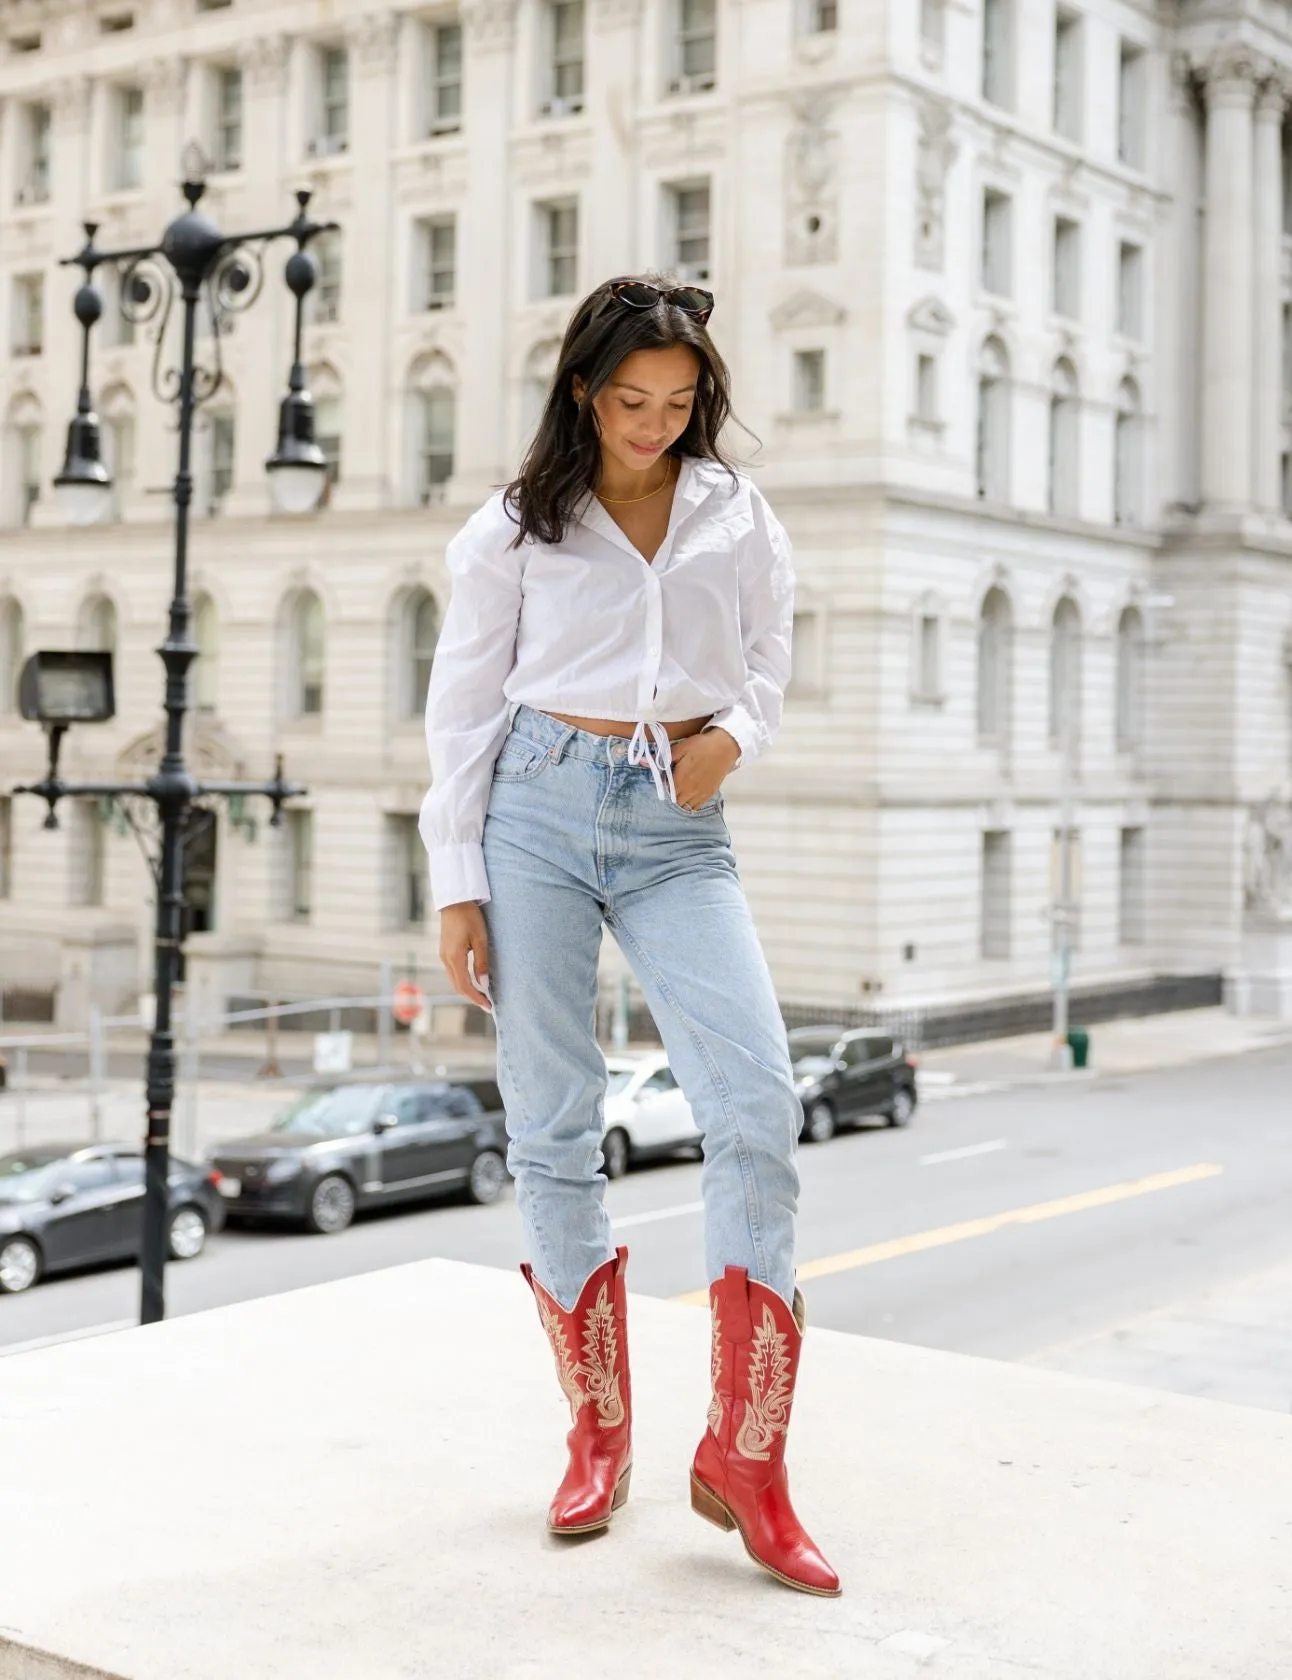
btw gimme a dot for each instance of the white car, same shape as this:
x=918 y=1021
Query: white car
x=646 y=1113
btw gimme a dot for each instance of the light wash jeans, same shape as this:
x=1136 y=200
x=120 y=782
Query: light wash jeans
x=576 y=837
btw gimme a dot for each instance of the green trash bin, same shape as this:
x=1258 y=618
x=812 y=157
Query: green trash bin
x=1079 y=1044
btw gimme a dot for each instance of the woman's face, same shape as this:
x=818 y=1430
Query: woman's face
x=645 y=405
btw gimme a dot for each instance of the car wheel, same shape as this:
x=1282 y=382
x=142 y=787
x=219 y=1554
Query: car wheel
x=331 y=1206
x=614 y=1153
x=20 y=1265
x=488 y=1175
x=819 y=1125
x=902 y=1108
x=186 y=1235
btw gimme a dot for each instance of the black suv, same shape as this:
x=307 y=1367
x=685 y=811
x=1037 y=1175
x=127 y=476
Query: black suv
x=842 y=1077
x=335 y=1152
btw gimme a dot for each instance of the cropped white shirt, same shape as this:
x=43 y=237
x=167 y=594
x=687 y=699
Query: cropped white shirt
x=588 y=627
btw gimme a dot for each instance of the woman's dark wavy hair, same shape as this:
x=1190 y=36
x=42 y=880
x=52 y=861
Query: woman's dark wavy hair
x=562 y=464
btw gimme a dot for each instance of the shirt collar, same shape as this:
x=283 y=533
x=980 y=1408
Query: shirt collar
x=696 y=481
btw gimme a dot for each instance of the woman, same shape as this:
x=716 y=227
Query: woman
x=617 y=643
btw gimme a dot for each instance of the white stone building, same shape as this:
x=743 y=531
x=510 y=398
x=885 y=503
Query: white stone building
x=1004 y=286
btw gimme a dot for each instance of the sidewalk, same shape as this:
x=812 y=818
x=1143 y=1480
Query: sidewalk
x=379 y=1453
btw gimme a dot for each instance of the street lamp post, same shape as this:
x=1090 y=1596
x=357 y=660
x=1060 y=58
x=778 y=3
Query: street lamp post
x=201 y=266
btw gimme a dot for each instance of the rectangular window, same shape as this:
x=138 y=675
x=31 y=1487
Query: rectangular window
x=119 y=457
x=222 y=442
x=28 y=314
x=809 y=381
x=565 y=22
x=1130 y=290
x=408 y=872
x=117 y=24
x=1067 y=268
x=439 y=420
x=446 y=78
x=559 y=257
x=334 y=87
x=1067 y=75
x=697 y=46
x=926 y=389
x=228 y=119
x=300 y=865
x=29 y=451
x=997 y=52
x=33 y=183
x=690 y=207
x=996 y=239
x=6 y=846
x=930 y=652
x=1132 y=99
x=85 y=853
x=1065 y=896
x=822 y=17
x=130 y=138
x=932 y=30
x=438 y=278
x=1133 y=907
x=994 y=911
x=327 y=434
x=325 y=299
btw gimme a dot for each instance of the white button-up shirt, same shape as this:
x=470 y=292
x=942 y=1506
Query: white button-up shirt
x=589 y=627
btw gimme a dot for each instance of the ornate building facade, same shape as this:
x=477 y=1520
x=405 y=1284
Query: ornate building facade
x=1005 y=287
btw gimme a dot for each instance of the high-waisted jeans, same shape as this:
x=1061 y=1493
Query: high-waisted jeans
x=577 y=838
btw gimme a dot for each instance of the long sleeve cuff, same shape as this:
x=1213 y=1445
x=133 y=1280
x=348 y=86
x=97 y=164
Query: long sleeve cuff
x=742 y=728
x=458 y=874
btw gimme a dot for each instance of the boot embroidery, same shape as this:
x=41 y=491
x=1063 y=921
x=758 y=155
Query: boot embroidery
x=567 y=1371
x=715 y=1405
x=767 y=1410
x=600 y=1368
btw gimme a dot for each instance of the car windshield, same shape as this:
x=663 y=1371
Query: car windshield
x=808 y=1067
x=24 y=1175
x=345 y=1112
x=812 y=1054
x=619 y=1081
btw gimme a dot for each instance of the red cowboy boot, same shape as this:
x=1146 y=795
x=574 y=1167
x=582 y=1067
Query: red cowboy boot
x=590 y=1343
x=738 y=1477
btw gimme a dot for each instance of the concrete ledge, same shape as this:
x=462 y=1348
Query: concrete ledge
x=348 y=1483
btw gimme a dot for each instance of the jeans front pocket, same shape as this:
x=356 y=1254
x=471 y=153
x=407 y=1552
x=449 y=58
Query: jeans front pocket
x=520 y=760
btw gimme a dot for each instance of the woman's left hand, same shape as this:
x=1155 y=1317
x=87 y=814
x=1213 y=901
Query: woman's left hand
x=701 y=763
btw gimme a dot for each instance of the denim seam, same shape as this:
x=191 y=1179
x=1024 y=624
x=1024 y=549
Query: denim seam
x=550 y=1281
x=747 y=1176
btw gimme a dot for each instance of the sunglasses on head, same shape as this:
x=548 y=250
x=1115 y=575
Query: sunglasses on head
x=638 y=294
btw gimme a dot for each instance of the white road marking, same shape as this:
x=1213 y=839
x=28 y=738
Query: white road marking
x=67 y=1336
x=963 y=1154
x=657 y=1214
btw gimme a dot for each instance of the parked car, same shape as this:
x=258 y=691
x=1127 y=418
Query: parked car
x=646 y=1113
x=62 y=1206
x=337 y=1152
x=842 y=1077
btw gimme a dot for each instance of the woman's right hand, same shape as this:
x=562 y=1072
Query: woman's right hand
x=463 y=933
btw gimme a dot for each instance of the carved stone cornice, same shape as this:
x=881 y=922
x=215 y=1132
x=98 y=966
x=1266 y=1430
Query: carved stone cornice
x=163 y=81
x=264 y=61
x=1273 y=96
x=373 y=41
x=490 y=25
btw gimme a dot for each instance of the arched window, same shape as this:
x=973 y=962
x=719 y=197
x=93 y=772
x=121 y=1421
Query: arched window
x=325 y=387
x=305 y=656
x=992 y=446
x=995 y=668
x=419 y=632
x=1130 y=679
x=432 y=427
x=117 y=420
x=206 y=633
x=11 y=642
x=1065 y=441
x=1126 y=455
x=540 y=365
x=1065 y=677
x=22 y=463
x=96 y=625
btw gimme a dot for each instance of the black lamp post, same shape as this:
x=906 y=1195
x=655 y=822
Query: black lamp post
x=201 y=266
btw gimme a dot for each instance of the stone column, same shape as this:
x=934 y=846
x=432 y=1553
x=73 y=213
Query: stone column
x=1229 y=79
x=488 y=282
x=1267 y=342
x=1174 y=326
x=609 y=237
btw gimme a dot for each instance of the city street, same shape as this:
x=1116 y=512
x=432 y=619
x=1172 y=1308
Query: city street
x=1049 y=1225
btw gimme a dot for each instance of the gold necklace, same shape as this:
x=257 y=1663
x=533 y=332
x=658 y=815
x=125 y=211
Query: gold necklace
x=625 y=501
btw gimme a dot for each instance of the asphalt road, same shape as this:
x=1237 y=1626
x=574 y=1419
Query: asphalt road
x=1003 y=1225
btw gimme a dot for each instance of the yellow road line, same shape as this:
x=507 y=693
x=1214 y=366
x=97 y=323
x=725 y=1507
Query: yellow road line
x=919 y=1241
